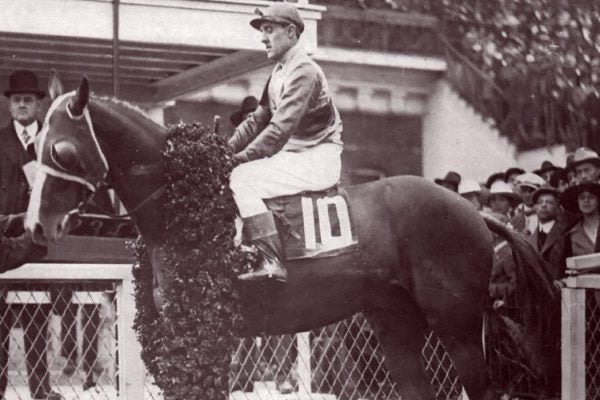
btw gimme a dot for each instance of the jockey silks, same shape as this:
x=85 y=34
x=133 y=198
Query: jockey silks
x=296 y=112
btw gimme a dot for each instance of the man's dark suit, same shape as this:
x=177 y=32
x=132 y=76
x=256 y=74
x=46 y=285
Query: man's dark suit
x=553 y=247
x=14 y=197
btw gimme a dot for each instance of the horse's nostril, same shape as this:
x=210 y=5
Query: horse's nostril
x=38 y=234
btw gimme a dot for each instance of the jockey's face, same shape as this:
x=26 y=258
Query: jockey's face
x=277 y=39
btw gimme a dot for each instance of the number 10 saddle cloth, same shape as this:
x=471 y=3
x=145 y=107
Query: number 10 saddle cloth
x=314 y=224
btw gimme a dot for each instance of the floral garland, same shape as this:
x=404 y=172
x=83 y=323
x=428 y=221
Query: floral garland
x=187 y=346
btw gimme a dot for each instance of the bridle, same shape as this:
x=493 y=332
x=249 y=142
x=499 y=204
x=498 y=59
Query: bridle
x=93 y=186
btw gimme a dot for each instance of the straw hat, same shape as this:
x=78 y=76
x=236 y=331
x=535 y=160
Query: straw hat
x=501 y=188
x=584 y=155
x=468 y=186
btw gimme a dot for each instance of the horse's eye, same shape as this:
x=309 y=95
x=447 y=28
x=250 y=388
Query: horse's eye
x=64 y=154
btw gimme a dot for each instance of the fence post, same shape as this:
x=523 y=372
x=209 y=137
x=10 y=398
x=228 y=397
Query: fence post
x=304 y=370
x=131 y=368
x=573 y=342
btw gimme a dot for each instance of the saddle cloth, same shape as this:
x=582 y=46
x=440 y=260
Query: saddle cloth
x=314 y=224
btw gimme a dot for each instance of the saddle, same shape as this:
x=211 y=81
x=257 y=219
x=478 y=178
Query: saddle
x=314 y=224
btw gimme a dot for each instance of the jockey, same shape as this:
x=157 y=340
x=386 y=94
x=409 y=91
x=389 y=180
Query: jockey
x=291 y=143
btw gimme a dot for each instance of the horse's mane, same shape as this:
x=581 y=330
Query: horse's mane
x=132 y=110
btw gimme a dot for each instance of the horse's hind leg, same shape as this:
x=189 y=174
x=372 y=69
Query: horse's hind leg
x=401 y=333
x=458 y=325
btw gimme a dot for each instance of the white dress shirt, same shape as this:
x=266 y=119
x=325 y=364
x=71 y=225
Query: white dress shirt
x=546 y=226
x=31 y=129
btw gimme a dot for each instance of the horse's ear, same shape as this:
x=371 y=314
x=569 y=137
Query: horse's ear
x=81 y=98
x=55 y=87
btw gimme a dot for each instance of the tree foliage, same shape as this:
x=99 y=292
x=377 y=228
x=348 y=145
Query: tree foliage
x=540 y=57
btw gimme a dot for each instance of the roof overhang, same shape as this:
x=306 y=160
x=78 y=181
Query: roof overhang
x=161 y=43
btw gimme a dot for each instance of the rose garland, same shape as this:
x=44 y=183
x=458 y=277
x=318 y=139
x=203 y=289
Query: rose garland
x=187 y=347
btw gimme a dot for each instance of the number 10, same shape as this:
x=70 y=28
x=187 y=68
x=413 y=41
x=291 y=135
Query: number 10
x=327 y=238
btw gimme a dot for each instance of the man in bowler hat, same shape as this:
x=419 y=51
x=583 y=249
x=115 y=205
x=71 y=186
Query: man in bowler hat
x=450 y=181
x=24 y=97
x=249 y=105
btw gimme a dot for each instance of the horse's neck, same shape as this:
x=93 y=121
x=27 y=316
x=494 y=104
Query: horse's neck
x=133 y=146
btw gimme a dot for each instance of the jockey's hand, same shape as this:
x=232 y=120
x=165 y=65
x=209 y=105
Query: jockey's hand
x=240 y=158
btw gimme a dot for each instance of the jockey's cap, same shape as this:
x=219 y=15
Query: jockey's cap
x=280 y=13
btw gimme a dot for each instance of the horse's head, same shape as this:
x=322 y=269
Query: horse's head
x=71 y=165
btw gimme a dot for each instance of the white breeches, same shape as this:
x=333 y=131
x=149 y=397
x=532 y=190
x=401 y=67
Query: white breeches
x=283 y=174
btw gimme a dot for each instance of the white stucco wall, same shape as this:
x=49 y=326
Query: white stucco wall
x=456 y=138
x=530 y=160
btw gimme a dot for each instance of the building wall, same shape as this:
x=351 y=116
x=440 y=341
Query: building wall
x=456 y=138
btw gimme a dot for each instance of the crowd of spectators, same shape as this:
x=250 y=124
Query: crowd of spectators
x=556 y=207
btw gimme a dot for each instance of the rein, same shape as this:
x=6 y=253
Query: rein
x=134 y=170
x=155 y=195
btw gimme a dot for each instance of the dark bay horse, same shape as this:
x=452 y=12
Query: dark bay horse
x=423 y=262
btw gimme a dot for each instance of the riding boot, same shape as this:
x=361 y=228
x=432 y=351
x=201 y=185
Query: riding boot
x=261 y=231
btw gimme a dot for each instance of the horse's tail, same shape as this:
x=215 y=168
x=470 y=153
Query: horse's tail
x=536 y=297
x=530 y=265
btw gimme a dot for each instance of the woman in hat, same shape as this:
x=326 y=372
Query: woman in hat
x=584 y=199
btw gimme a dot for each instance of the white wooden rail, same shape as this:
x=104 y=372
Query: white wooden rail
x=574 y=292
x=131 y=368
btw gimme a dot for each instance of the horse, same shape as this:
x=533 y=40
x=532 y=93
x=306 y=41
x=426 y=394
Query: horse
x=423 y=261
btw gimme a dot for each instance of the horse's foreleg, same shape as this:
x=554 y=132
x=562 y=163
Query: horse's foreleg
x=401 y=333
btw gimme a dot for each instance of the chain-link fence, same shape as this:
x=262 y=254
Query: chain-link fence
x=341 y=361
x=58 y=338
x=592 y=344
x=581 y=329
x=67 y=333
x=64 y=338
